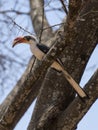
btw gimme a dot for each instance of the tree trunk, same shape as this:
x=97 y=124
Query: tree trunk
x=73 y=43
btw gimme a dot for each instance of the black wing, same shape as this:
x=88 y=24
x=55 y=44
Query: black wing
x=43 y=48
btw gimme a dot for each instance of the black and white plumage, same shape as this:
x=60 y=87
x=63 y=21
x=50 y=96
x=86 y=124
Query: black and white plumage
x=39 y=51
x=43 y=48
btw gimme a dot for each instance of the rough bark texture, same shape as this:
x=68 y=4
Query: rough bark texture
x=80 y=40
x=21 y=84
x=69 y=119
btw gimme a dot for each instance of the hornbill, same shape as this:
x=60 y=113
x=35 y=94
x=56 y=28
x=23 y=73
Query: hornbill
x=39 y=51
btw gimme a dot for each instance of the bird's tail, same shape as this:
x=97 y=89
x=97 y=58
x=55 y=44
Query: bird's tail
x=74 y=84
x=58 y=65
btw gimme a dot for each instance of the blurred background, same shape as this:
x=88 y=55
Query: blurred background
x=15 y=21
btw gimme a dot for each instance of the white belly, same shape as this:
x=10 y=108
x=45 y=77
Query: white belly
x=36 y=52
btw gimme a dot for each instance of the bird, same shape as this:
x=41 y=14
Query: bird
x=39 y=50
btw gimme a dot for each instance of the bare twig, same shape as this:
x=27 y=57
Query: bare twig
x=41 y=31
x=47 y=3
x=14 y=11
x=64 y=7
x=18 y=25
x=52 y=26
x=54 y=9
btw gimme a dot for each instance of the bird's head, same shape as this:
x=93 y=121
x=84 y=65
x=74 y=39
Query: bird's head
x=24 y=39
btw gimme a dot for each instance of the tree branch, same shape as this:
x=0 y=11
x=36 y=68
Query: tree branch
x=77 y=109
x=14 y=11
x=64 y=6
x=74 y=8
x=77 y=52
x=61 y=40
x=68 y=119
x=38 y=71
x=34 y=89
x=36 y=16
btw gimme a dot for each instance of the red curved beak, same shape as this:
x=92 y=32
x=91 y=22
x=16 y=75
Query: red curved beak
x=18 y=40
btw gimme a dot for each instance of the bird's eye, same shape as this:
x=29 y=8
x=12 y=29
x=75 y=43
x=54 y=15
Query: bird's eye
x=28 y=38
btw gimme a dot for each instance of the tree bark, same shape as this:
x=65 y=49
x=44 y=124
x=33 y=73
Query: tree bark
x=80 y=40
x=77 y=42
x=69 y=119
x=24 y=80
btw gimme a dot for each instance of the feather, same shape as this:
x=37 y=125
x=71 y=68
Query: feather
x=43 y=48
